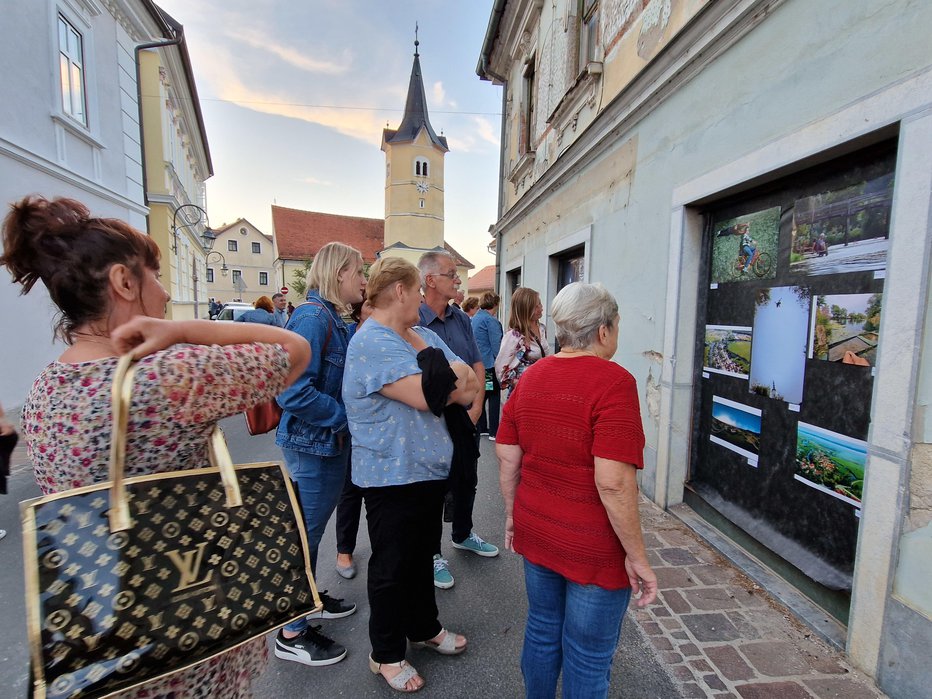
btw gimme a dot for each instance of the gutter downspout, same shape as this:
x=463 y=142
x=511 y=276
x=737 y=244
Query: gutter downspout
x=142 y=138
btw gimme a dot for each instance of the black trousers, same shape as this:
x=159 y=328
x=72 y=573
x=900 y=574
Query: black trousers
x=488 y=421
x=463 y=492
x=404 y=527
x=348 y=511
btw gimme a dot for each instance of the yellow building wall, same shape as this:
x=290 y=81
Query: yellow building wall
x=405 y=220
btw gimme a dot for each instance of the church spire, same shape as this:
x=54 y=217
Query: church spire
x=415 y=117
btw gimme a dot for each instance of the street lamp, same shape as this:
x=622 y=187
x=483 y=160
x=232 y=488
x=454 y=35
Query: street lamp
x=191 y=216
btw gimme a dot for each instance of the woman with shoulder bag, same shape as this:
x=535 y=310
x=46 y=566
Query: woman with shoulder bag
x=103 y=275
x=526 y=340
x=313 y=433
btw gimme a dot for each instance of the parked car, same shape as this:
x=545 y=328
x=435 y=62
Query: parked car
x=233 y=310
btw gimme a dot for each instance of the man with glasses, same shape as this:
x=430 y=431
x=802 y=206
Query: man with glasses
x=440 y=284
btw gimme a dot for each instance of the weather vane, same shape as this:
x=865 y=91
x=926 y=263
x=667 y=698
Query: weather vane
x=416 y=42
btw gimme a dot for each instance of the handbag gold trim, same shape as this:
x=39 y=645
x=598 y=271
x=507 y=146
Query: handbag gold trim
x=138 y=578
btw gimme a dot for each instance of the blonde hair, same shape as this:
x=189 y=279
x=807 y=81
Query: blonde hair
x=324 y=274
x=385 y=273
x=265 y=303
x=523 y=303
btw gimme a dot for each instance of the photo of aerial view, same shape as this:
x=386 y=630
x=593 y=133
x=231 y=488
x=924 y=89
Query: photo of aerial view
x=736 y=427
x=846 y=328
x=727 y=350
x=830 y=462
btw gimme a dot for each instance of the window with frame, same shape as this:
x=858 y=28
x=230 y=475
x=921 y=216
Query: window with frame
x=210 y=275
x=420 y=167
x=263 y=278
x=237 y=275
x=588 y=33
x=71 y=70
x=257 y=248
x=232 y=246
x=530 y=106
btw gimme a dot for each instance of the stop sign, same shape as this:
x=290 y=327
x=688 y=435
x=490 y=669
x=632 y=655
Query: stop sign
x=284 y=290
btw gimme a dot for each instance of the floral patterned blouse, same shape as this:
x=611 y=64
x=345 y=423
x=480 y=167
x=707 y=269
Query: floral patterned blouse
x=179 y=394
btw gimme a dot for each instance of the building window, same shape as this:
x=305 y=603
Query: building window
x=420 y=167
x=588 y=32
x=71 y=70
x=237 y=275
x=231 y=246
x=571 y=267
x=210 y=275
x=530 y=107
x=263 y=278
x=257 y=248
x=421 y=203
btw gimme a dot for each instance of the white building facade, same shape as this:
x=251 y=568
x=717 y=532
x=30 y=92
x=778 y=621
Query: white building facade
x=638 y=139
x=69 y=126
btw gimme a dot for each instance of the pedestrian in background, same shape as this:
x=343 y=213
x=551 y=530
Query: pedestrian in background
x=280 y=313
x=349 y=508
x=440 y=284
x=8 y=440
x=401 y=460
x=215 y=371
x=313 y=430
x=261 y=313
x=526 y=339
x=488 y=332
x=470 y=306
x=571 y=504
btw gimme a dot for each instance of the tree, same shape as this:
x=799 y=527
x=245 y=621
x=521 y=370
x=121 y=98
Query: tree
x=872 y=324
x=299 y=278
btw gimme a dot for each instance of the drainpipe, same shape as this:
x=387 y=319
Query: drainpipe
x=142 y=138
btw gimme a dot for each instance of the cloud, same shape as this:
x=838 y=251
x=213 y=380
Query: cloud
x=439 y=94
x=257 y=40
x=488 y=131
x=315 y=181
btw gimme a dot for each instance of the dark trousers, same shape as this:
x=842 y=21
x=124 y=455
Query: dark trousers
x=348 y=511
x=491 y=408
x=463 y=492
x=404 y=527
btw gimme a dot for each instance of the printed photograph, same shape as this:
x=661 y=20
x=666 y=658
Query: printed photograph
x=843 y=231
x=778 y=354
x=830 y=462
x=727 y=350
x=745 y=247
x=736 y=427
x=846 y=328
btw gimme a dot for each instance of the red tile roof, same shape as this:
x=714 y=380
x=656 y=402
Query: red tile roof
x=300 y=234
x=483 y=280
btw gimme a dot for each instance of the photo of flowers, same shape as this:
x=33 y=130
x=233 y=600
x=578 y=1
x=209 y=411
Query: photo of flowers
x=745 y=247
x=727 y=350
x=736 y=427
x=779 y=350
x=846 y=328
x=830 y=462
x=844 y=230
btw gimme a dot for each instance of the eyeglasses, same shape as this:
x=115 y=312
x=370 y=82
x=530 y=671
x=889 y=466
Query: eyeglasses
x=448 y=275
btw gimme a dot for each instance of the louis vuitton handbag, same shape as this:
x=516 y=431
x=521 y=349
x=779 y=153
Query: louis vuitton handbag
x=134 y=579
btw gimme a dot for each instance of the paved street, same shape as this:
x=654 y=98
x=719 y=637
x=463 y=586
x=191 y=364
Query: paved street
x=713 y=633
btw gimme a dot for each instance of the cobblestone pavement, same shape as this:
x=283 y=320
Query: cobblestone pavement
x=721 y=635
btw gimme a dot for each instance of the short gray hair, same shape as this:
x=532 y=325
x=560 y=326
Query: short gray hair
x=579 y=310
x=430 y=264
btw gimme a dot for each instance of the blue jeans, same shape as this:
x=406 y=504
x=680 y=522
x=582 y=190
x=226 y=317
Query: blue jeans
x=319 y=481
x=571 y=627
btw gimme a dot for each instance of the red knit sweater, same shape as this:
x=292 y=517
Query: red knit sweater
x=564 y=412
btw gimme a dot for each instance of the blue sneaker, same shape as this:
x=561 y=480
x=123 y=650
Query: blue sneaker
x=443 y=578
x=477 y=546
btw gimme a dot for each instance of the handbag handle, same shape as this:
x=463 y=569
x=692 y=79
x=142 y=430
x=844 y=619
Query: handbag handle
x=121 y=395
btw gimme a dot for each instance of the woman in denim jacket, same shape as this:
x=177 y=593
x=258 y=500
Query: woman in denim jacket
x=313 y=431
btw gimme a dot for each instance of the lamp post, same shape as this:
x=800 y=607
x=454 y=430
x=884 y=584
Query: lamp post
x=191 y=216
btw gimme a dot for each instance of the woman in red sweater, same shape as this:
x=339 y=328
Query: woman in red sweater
x=569 y=446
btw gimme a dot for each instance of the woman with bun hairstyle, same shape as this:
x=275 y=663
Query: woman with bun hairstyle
x=103 y=275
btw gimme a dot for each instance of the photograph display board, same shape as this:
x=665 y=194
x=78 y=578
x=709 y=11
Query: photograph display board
x=787 y=359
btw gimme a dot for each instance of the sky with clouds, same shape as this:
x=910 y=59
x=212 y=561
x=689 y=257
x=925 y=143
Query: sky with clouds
x=295 y=96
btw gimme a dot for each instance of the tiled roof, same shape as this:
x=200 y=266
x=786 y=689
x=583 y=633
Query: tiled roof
x=483 y=279
x=300 y=234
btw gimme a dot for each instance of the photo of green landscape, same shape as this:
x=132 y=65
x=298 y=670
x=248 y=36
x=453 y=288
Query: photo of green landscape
x=831 y=462
x=727 y=350
x=846 y=328
x=736 y=427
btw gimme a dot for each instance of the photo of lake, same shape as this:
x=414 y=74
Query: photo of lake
x=846 y=328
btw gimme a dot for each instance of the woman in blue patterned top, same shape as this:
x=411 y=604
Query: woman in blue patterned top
x=401 y=459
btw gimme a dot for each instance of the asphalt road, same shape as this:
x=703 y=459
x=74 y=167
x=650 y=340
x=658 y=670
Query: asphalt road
x=487 y=604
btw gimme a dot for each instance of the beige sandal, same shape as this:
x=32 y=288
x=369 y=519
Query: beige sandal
x=446 y=646
x=400 y=681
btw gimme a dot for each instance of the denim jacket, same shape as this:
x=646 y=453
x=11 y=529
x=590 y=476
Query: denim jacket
x=313 y=413
x=488 y=332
